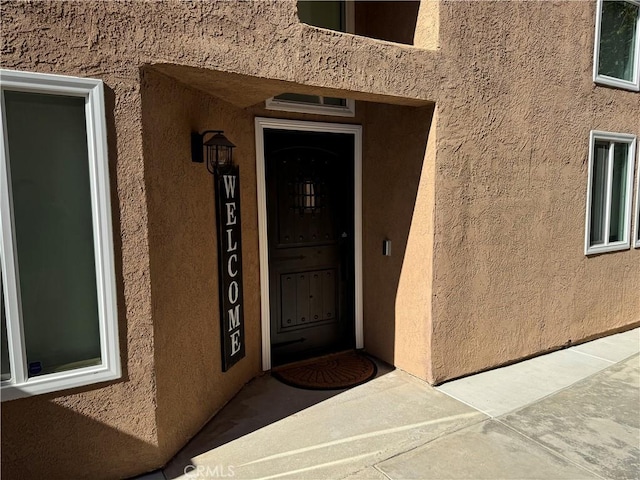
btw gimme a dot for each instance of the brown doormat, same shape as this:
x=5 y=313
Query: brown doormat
x=331 y=372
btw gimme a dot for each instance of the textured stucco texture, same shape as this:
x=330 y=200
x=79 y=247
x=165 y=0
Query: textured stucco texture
x=475 y=145
x=510 y=275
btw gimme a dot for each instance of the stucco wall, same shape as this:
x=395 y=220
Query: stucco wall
x=499 y=197
x=132 y=425
x=510 y=275
x=397 y=205
x=78 y=434
x=183 y=251
x=414 y=299
x=164 y=349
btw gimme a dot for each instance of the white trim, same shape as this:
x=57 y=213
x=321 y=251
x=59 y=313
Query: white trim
x=634 y=84
x=624 y=244
x=261 y=124
x=636 y=234
x=349 y=110
x=20 y=385
x=10 y=277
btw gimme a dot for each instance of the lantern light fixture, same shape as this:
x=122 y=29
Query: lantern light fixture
x=216 y=151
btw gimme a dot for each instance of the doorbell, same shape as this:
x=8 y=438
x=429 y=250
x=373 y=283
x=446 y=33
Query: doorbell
x=386 y=248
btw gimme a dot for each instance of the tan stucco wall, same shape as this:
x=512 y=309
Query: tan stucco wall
x=397 y=205
x=510 y=275
x=183 y=250
x=168 y=331
x=484 y=202
x=427 y=34
x=414 y=302
x=79 y=434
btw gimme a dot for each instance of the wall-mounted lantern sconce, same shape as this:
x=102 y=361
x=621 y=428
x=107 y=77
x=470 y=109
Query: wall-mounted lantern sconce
x=212 y=147
x=217 y=150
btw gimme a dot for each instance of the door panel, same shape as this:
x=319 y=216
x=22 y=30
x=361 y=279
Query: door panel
x=309 y=177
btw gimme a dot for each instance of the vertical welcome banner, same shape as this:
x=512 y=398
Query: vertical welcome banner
x=230 y=266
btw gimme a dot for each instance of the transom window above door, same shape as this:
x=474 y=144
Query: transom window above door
x=295 y=102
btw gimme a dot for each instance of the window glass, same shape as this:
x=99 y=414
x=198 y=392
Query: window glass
x=49 y=176
x=598 y=192
x=618 y=193
x=5 y=371
x=326 y=14
x=299 y=97
x=312 y=99
x=618 y=37
x=296 y=102
x=338 y=102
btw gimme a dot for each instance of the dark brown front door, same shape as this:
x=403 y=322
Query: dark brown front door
x=310 y=185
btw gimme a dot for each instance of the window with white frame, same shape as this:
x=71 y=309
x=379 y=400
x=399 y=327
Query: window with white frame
x=59 y=308
x=295 y=102
x=617 y=44
x=609 y=192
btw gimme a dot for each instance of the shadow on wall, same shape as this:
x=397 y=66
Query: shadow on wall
x=395 y=142
x=393 y=21
x=183 y=259
x=78 y=433
x=48 y=444
x=112 y=148
x=124 y=421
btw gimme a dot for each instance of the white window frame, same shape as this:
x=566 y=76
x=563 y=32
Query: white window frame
x=633 y=85
x=20 y=385
x=636 y=234
x=624 y=244
x=348 y=110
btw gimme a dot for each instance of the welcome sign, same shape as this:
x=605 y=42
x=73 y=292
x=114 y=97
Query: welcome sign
x=230 y=266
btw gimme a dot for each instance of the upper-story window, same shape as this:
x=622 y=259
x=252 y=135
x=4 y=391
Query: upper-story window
x=332 y=14
x=617 y=44
x=57 y=279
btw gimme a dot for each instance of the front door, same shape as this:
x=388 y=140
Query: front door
x=310 y=205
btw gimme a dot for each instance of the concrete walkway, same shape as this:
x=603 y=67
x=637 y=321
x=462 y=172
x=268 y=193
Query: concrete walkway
x=571 y=414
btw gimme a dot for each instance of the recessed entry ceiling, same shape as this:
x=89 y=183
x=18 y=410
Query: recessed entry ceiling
x=244 y=90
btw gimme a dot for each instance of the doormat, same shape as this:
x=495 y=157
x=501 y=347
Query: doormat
x=331 y=372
